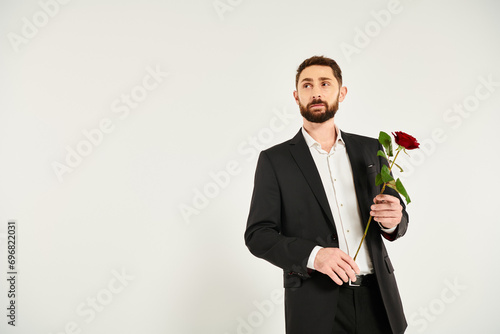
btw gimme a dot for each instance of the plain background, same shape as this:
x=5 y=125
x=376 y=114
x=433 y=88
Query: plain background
x=228 y=94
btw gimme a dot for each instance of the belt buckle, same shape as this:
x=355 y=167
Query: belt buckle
x=357 y=283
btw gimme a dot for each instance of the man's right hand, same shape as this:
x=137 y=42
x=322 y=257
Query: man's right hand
x=336 y=264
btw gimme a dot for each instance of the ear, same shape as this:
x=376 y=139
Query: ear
x=342 y=93
x=296 y=96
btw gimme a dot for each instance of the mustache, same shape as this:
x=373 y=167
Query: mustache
x=319 y=101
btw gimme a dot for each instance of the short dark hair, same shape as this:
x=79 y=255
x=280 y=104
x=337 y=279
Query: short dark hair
x=323 y=61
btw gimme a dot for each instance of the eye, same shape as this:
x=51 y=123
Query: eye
x=307 y=85
x=326 y=84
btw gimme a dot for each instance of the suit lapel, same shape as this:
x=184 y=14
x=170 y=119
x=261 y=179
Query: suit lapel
x=302 y=156
x=359 y=166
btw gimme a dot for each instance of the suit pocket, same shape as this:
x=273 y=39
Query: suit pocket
x=371 y=174
x=371 y=168
x=388 y=264
x=291 y=281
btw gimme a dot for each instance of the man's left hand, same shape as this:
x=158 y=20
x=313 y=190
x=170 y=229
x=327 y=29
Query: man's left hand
x=387 y=210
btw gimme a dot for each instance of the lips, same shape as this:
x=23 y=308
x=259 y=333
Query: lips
x=317 y=105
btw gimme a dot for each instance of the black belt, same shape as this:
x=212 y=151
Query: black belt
x=363 y=280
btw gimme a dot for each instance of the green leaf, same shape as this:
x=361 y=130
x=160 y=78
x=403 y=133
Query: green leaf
x=381 y=154
x=386 y=142
x=378 y=180
x=386 y=174
x=401 y=189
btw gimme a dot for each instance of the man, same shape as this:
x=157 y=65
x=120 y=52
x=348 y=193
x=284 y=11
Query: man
x=312 y=198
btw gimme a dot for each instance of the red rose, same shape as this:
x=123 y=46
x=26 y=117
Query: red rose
x=405 y=140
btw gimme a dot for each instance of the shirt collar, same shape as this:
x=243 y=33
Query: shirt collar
x=313 y=143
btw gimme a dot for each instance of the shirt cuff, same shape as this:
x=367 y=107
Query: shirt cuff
x=387 y=230
x=312 y=257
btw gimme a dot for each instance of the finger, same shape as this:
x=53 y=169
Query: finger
x=389 y=220
x=379 y=199
x=386 y=218
x=352 y=274
x=388 y=223
x=389 y=212
x=377 y=208
x=348 y=271
x=341 y=273
x=383 y=198
x=334 y=277
x=385 y=213
x=386 y=198
x=347 y=265
x=390 y=204
x=352 y=265
x=383 y=204
x=386 y=209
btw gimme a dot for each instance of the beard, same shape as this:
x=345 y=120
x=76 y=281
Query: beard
x=319 y=117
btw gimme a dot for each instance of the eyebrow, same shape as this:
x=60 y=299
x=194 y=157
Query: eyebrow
x=321 y=79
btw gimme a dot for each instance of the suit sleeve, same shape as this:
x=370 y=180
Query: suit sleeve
x=263 y=235
x=403 y=225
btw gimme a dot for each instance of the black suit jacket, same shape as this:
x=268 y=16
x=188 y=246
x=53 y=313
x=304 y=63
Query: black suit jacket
x=290 y=215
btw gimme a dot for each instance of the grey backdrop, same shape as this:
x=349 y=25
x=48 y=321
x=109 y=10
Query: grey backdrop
x=129 y=132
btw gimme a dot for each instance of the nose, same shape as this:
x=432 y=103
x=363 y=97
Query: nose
x=316 y=93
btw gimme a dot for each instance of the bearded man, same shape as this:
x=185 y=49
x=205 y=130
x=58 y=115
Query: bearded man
x=312 y=198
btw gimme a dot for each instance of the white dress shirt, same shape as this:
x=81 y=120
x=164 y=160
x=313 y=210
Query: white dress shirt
x=335 y=171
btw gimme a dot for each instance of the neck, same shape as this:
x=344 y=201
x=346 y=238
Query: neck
x=324 y=133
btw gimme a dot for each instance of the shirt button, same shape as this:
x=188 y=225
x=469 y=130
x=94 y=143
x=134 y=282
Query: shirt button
x=341 y=204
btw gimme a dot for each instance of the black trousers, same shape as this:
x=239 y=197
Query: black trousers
x=360 y=310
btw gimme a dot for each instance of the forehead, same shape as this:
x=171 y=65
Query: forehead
x=316 y=71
